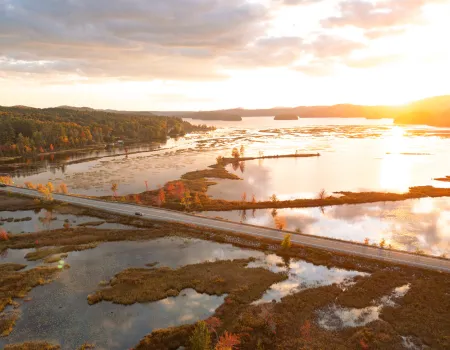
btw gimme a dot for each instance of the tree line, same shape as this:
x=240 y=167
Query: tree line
x=26 y=130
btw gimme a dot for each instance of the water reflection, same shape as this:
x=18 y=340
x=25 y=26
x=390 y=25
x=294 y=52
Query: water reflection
x=28 y=221
x=301 y=275
x=335 y=317
x=411 y=225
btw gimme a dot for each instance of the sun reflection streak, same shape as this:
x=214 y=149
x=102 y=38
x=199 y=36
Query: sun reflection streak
x=395 y=171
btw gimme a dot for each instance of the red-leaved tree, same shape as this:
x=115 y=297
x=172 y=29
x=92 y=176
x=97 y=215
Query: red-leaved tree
x=227 y=341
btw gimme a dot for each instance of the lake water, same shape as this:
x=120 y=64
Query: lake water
x=356 y=154
x=59 y=312
x=411 y=225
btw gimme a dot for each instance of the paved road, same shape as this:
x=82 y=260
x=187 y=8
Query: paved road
x=311 y=241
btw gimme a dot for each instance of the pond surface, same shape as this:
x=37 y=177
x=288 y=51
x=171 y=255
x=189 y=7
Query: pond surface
x=336 y=318
x=411 y=225
x=28 y=221
x=59 y=312
x=301 y=275
x=356 y=154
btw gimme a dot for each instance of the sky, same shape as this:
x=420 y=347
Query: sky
x=164 y=55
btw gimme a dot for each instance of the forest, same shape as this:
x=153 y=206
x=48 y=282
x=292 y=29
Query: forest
x=25 y=130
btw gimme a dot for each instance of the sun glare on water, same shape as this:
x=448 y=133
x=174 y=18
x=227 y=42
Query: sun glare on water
x=395 y=172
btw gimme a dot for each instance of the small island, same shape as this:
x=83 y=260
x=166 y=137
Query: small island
x=286 y=117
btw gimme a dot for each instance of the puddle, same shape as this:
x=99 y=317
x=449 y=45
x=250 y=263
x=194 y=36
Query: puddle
x=413 y=343
x=59 y=312
x=28 y=221
x=301 y=275
x=335 y=317
x=411 y=225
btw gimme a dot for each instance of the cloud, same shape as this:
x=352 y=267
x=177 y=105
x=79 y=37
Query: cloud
x=126 y=39
x=325 y=46
x=381 y=14
x=267 y=52
x=197 y=40
x=300 y=2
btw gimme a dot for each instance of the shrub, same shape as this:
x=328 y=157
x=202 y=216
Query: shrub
x=200 y=338
x=286 y=243
x=227 y=341
x=322 y=194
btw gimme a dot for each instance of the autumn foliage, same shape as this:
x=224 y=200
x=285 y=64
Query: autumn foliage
x=305 y=331
x=63 y=188
x=3 y=235
x=280 y=222
x=286 y=243
x=7 y=180
x=364 y=345
x=161 y=197
x=114 y=188
x=227 y=341
x=179 y=189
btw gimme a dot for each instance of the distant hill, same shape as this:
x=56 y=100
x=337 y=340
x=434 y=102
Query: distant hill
x=336 y=111
x=88 y=109
x=434 y=111
x=81 y=109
